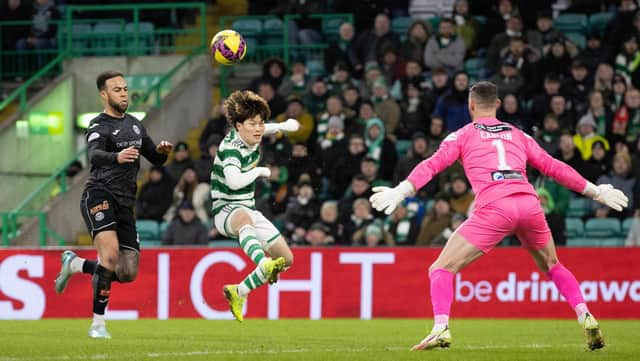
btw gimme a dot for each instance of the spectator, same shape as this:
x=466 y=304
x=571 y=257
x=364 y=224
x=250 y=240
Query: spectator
x=511 y=112
x=600 y=113
x=466 y=26
x=594 y=54
x=556 y=217
x=217 y=124
x=186 y=228
x=335 y=110
x=435 y=221
x=357 y=221
x=296 y=110
x=445 y=49
x=154 y=198
x=380 y=148
x=540 y=105
x=620 y=178
x=372 y=74
x=501 y=41
x=302 y=210
x=548 y=204
x=391 y=66
x=509 y=79
x=587 y=135
x=369 y=169
x=598 y=164
x=418 y=152
x=626 y=121
x=558 y=59
x=619 y=89
x=43 y=32
x=332 y=146
x=577 y=86
x=365 y=113
x=298 y=82
x=301 y=163
x=496 y=20
x=372 y=235
x=452 y=107
x=276 y=148
x=562 y=111
x=316 y=100
x=272 y=193
x=340 y=50
x=439 y=84
x=181 y=161
x=204 y=164
x=603 y=82
x=412 y=77
x=622 y=24
x=352 y=98
x=276 y=102
x=329 y=219
x=412 y=49
x=360 y=188
x=319 y=235
x=460 y=196
x=628 y=60
x=544 y=34
x=549 y=136
x=402 y=224
x=456 y=220
x=189 y=189
x=14 y=10
x=415 y=113
x=339 y=79
x=273 y=72
x=567 y=152
x=343 y=170
x=303 y=29
x=385 y=107
x=369 y=45
x=525 y=59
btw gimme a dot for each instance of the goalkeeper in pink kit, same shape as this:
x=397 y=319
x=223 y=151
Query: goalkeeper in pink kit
x=494 y=156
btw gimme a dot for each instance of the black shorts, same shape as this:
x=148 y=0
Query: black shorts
x=101 y=212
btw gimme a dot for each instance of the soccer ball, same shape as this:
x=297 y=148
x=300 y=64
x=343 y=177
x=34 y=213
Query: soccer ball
x=228 y=47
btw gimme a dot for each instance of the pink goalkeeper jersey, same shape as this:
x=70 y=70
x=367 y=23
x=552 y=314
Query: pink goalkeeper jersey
x=494 y=156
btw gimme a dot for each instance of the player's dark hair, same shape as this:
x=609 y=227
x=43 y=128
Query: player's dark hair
x=484 y=93
x=101 y=80
x=245 y=104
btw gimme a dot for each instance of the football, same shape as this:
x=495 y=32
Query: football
x=228 y=47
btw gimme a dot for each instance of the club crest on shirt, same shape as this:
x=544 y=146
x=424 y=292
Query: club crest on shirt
x=100 y=207
x=136 y=129
x=99 y=216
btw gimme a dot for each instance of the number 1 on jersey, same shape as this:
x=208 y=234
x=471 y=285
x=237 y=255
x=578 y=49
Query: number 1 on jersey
x=502 y=157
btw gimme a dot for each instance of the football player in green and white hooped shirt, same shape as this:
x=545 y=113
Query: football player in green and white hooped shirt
x=232 y=186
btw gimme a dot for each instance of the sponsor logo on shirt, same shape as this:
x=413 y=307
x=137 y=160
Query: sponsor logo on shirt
x=93 y=136
x=132 y=143
x=100 y=207
x=136 y=129
x=493 y=128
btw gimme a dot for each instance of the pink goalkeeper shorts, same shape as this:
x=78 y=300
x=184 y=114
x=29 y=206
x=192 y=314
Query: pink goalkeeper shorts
x=520 y=214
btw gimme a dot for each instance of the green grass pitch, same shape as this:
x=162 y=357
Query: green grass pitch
x=388 y=339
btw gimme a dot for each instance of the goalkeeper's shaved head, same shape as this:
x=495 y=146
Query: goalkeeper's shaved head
x=483 y=99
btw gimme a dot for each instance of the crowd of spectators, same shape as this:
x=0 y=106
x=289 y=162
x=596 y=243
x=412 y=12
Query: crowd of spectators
x=379 y=93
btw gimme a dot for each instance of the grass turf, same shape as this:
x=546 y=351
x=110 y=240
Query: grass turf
x=186 y=339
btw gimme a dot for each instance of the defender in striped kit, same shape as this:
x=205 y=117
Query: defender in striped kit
x=233 y=176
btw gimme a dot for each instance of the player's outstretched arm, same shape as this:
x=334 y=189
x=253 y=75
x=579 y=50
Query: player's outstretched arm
x=570 y=178
x=156 y=154
x=236 y=179
x=290 y=125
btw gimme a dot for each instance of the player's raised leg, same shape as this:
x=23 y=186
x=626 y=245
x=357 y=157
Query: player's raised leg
x=547 y=260
x=280 y=249
x=241 y=223
x=457 y=253
x=71 y=264
x=107 y=245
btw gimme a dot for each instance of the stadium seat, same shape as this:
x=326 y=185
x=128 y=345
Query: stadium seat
x=106 y=38
x=80 y=35
x=582 y=242
x=579 y=40
x=434 y=22
x=273 y=30
x=476 y=68
x=574 y=227
x=402 y=147
x=579 y=207
x=315 y=67
x=150 y=243
x=147 y=229
x=602 y=228
x=400 y=25
x=163 y=228
x=248 y=27
x=611 y=242
x=626 y=226
x=598 y=21
x=571 y=23
x=145 y=37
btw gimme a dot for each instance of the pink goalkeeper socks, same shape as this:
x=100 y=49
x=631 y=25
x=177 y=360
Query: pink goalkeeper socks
x=441 y=293
x=568 y=287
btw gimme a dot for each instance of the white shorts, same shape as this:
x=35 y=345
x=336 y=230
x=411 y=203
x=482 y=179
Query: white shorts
x=266 y=232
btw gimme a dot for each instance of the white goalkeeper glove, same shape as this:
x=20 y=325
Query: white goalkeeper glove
x=607 y=195
x=290 y=125
x=387 y=199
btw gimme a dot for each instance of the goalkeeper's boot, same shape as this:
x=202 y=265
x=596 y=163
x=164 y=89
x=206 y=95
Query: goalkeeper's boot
x=441 y=338
x=272 y=268
x=595 y=340
x=99 y=331
x=65 y=271
x=235 y=301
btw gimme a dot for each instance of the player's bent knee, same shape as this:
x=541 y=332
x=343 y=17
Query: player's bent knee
x=240 y=219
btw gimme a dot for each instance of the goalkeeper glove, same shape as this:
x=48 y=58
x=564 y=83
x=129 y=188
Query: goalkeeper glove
x=387 y=199
x=607 y=195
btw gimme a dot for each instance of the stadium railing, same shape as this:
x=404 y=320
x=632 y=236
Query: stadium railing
x=267 y=36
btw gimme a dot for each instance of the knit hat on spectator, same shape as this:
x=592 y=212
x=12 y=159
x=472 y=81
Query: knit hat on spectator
x=380 y=82
x=577 y=64
x=335 y=122
x=186 y=204
x=418 y=135
x=631 y=37
x=181 y=146
x=319 y=226
x=545 y=14
x=587 y=119
x=438 y=71
x=294 y=99
x=373 y=230
x=371 y=65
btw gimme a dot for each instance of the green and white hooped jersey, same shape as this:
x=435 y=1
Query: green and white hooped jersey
x=233 y=152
